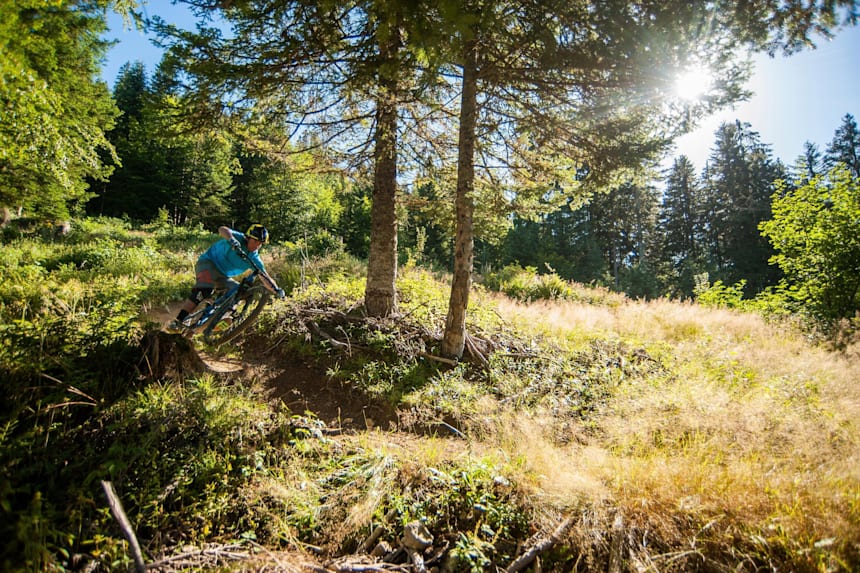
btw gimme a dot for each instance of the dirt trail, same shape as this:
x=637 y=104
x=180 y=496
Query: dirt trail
x=304 y=388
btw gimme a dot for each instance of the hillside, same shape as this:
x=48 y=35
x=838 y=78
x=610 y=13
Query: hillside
x=595 y=433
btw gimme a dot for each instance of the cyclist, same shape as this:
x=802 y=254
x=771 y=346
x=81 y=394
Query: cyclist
x=216 y=267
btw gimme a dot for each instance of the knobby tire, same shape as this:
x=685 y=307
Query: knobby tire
x=244 y=315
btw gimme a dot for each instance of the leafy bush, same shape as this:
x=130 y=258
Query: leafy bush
x=718 y=295
x=815 y=230
x=527 y=285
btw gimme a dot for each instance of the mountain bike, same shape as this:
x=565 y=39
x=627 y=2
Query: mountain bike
x=226 y=314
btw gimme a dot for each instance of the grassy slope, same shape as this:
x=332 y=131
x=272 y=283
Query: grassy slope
x=687 y=438
x=751 y=430
x=721 y=441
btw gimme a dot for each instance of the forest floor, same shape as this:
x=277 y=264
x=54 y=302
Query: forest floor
x=302 y=387
x=573 y=462
x=305 y=389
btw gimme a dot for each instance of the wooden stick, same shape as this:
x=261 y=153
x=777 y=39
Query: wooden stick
x=428 y=356
x=544 y=544
x=124 y=524
x=417 y=560
x=616 y=546
x=377 y=532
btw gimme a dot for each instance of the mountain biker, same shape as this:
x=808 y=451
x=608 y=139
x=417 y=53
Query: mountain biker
x=216 y=267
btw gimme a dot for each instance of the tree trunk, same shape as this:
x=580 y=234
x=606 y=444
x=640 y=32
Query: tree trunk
x=454 y=339
x=380 y=295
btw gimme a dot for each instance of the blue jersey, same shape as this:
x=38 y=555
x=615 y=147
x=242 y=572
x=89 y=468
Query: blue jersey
x=227 y=260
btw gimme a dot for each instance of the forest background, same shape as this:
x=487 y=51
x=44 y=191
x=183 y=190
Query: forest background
x=648 y=234
x=517 y=139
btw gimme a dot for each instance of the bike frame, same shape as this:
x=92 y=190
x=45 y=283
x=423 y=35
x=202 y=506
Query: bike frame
x=199 y=323
x=201 y=320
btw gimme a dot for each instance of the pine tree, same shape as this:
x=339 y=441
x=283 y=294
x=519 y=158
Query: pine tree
x=739 y=183
x=130 y=92
x=622 y=223
x=809 y=164
x=551 y=103
x=680 y=226
x=332 y=77
x=135 y=187
x=845 y=147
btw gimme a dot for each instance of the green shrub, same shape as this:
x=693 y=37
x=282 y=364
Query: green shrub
x=527 y=285
x=719 y=295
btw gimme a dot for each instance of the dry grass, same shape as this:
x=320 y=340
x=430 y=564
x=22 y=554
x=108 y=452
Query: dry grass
x=736 y=440
x=756 y=428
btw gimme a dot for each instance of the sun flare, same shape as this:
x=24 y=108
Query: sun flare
x=692 y=84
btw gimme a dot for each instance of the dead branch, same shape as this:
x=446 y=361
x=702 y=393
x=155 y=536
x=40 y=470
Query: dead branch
x=320 y=333
x=417 y=560
x=211 y=555
x=376 y=533
x=124 y=524
x=475 y=352
x=429 y=356
x=540 y=546
x=361 y=564
x=616 y=548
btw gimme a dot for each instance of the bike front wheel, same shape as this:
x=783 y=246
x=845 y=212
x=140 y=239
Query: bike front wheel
x=236 y=315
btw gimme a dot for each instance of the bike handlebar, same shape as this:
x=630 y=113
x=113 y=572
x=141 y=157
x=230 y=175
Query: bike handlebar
x=236 y=246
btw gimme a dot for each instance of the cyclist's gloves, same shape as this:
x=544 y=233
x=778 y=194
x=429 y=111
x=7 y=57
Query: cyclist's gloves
x=234 y=242
x=280 y=292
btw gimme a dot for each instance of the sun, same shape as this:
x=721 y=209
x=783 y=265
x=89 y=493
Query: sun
x=693 y=83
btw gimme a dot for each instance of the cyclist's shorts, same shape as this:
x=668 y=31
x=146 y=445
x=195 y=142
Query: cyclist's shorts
x=208 y=276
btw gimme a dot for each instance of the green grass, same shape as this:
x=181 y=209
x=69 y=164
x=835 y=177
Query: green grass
x=723 y=441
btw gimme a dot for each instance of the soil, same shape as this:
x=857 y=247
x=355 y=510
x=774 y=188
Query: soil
x=303 y=388
x=308 y=389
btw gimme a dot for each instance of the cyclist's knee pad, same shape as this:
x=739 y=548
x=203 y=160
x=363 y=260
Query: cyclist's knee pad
x=198 y=294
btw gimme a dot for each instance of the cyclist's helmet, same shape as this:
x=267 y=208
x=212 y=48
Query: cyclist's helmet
x=259 y=232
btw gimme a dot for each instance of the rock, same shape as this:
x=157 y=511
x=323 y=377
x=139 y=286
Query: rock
x=417 y=536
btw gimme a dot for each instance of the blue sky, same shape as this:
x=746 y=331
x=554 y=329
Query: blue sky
x=800 y=98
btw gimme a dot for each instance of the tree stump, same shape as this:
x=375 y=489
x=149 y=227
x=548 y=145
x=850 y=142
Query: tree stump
x=165 y=355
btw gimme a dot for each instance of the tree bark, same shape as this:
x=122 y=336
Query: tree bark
x=380 y=295
x=454 y=339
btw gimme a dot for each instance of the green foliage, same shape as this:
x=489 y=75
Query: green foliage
x=166 y=164
x=815 y=232
x=479 y=503
x=719 y=295
x=208 y=439
x=49 y=85
x=844 y=148
x=208 y=460
x=70 y=316
x=419 y=295
x=527 y=284
x=736 y=200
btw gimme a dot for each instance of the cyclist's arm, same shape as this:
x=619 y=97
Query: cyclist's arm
x=270 y=283
x=225 y=232
x=266 y=278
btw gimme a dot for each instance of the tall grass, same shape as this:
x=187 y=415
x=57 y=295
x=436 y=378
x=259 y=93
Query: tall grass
x=717 y=439
x=755 y=429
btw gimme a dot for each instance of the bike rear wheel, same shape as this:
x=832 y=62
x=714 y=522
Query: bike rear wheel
x=236 y=315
